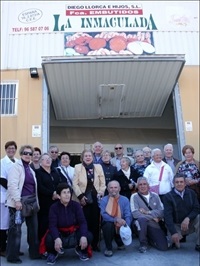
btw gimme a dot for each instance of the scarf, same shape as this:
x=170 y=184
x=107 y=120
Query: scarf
x=113 y=209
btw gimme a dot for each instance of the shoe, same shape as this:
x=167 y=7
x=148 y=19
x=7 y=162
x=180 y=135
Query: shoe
x=61 y=251
x=108 y=253
x=51 y=259
x=142 y=249
x=21 y=253
x=121 y=247
x=17 y=261
x=197 y=248
x=82 y=254
x=2 y=254
x=44 y=256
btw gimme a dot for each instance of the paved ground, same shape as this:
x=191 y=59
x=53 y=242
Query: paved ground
x=186 y=256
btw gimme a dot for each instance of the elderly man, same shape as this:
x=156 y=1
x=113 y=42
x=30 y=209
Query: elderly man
x=119 y=151
x=147 y=210
x=53 y=153
x=115 y=212
x=6 y=163
x=181 y=212
x=168 y=156
x=97 y=152
x=159 y=174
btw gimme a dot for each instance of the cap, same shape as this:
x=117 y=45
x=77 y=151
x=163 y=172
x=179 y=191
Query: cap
x=125 y=234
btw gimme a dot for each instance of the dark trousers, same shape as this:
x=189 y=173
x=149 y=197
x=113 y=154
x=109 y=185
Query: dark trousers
x=92 y=216
x=14 y=236
x=49 y=241
x=109 y=233
x=3 y=239
x=152 y=233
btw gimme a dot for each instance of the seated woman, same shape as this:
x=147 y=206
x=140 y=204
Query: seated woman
x=140 y=165
x=190 y=168
x=66 y=219
x=126 y=178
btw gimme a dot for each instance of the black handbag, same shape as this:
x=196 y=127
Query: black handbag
x=29 y=205
x=89 y=197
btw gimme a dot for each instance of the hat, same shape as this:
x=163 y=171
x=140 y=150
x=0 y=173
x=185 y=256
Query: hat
x=125 y=234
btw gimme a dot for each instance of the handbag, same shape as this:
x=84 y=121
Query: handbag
x=29 y=205
x=69 y=240
x=155 y=188
x=88 y=195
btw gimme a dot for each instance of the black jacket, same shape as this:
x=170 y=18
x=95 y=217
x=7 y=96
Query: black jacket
x=177 y=209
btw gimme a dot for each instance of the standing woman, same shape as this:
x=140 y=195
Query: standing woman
x=65 y=170
x=140 y=164
x=48 y=179
x=35 y=164
x=88 y=186
x=125 y=178
x=190 y=169
x=21 y=182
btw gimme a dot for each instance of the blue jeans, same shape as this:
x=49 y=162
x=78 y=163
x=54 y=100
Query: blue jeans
x=14 y=236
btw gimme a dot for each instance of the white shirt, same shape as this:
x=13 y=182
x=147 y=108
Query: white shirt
x=6 y=164
x=69 y=169
x=152 y=173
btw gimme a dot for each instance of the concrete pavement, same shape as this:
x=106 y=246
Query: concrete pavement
x=185 y=256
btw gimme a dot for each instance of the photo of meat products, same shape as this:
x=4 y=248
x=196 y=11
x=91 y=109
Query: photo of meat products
x=100 y=42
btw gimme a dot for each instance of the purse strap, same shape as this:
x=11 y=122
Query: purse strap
x=161 y=173
x=69 y=179
x=145 y=202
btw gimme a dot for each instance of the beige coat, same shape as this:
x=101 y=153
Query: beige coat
x=80 y=179
x=16 y=177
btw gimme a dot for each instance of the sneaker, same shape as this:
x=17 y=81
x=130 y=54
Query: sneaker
x=142 y=249
x=82 y=254
x=108 y=253
x=197 y=248
x=121 y=247
x=51 y=259
x=44 y=255
x=61 y=251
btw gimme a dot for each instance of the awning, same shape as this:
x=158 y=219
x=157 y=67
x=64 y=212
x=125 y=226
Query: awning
x=112 y=86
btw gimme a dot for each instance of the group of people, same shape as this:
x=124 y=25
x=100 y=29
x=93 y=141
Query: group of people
x=156 y=197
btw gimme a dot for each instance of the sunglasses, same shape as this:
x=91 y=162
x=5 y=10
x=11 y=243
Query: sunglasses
x=118 y=148
x=54 y=151
x=27 y=153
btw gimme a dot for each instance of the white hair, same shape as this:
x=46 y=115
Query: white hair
x=154 y=151
x=168 y=145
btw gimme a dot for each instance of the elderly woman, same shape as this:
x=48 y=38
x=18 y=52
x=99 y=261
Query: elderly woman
x=48 y=180
x=159 y=174
x=140 y=164
x=125 y=177
x=35 y=164
x=88 y=186
x=190 y=169
x=65 y=170
x=66 y=221
x=21 y=183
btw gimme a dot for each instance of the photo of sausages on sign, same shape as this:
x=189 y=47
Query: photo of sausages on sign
x=108 y=43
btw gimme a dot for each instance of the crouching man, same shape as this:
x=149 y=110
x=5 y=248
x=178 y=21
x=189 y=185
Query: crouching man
x=181 y=212
x=67 y=227
x=115 y=213
x=147 y=211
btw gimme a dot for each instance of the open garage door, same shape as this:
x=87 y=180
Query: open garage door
x=111 y=87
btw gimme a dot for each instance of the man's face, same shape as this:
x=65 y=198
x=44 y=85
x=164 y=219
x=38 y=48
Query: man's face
x=157 y=156
x=113 y=189
x=143 y=187
x=98 y=148
x=168 y=152
x=119 y=149
x=54 y=153
x=179 y=183
x=10 y=151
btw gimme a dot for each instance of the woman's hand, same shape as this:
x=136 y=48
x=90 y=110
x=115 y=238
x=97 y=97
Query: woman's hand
x=18 y=205
x=58 y=244
x=83 y=201
x=83 y=242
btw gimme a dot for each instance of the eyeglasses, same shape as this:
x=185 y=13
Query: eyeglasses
x=118 y=148
x=54 y=151
x=27 y=153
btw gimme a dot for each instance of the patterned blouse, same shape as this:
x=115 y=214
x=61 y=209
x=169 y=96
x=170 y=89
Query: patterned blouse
x=190 y=170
